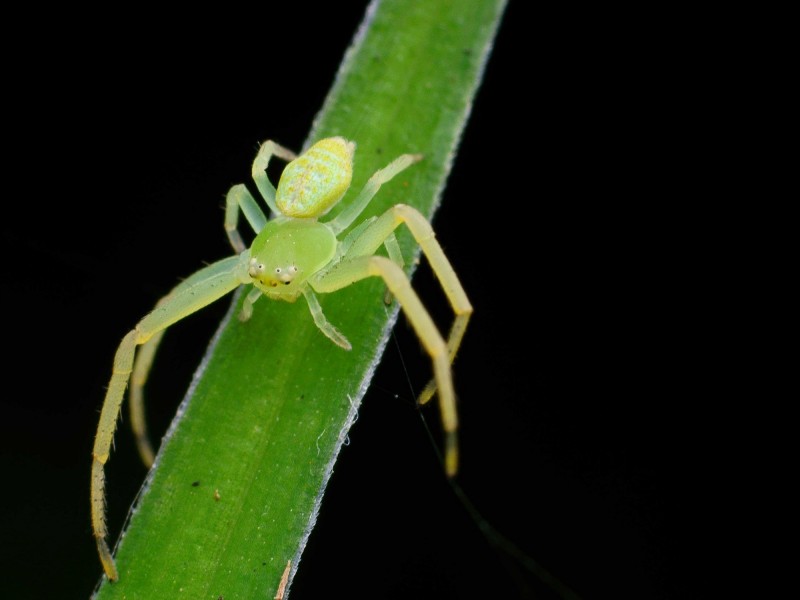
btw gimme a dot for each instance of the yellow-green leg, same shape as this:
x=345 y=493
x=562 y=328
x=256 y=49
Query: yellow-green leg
x=141 y=369
x=239 y=198
x=205 y=286
x=322 y=322
x=348 y=272
x=357 y=206
x=123 y=364
x=247 y=305
x=259 y=171
x=423 y=233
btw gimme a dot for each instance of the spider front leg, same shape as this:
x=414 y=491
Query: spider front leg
x=376 y=234
x=265 y=153
x=202 y=288
x=141 y=369
x=359 y=263
x=239 y=198
x=355 y=208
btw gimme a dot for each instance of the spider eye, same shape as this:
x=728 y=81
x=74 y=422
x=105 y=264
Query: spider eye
x=277 y=269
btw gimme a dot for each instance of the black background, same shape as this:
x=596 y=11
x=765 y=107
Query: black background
x=586 y=439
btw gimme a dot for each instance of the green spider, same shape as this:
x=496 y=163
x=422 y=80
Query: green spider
x=293 y=255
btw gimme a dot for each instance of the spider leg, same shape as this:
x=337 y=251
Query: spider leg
x=350 y=270
x=324 y=325
x=396 y=256
x=199 y=290
x=239 y=198
x=265 y=153
x=372 y=237
x=354 y=209
x=141 y=369
x=247 y=305
x=345 y=218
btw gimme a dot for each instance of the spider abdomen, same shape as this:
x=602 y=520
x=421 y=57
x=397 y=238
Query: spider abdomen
x=315 y=181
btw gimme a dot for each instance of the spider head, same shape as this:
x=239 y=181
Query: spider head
x=271 y=274
x=286 y=253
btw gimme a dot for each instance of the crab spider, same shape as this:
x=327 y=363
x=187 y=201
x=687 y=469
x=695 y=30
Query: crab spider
x=294 y=254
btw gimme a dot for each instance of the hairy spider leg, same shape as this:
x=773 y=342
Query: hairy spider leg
x=259 y=171
x=240 y=198
x=201 y=289
x=142 y=364
x=359 y=263
x=354 y=210
x=321 y=321
x=345 y=218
